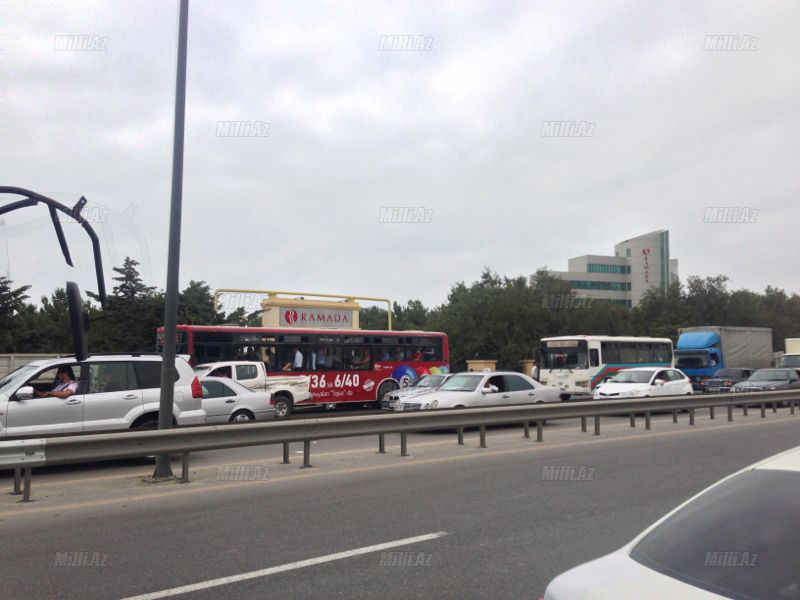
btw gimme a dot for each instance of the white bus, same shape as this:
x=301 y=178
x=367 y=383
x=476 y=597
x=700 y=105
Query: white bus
x=577 y=363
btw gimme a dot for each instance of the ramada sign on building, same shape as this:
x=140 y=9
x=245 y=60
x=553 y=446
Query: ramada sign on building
x=316 y=317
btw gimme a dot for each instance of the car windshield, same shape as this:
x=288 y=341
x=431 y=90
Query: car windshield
x=769 y=375
x=792 y=361
x=16 y=377
x=632 y=377
x=709 y=545
x=461 y=383
x=691 y=361
x=728 y=373
x=430 y=381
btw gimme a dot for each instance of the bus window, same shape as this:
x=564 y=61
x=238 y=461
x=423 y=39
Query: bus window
x=594 y=357
x=627 y=352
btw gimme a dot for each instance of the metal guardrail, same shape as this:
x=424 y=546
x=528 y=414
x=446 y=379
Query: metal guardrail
x=29 y=453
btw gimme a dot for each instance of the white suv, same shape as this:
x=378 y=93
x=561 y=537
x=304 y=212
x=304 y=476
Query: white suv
x=115 y=391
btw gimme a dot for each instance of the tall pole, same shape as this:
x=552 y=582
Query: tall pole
x=163 y=468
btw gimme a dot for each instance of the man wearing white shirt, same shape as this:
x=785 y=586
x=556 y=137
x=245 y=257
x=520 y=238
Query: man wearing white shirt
x=297 y=364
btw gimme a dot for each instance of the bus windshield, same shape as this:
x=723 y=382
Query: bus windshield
x=565 y=354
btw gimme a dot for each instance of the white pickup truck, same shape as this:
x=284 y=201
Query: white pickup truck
x=287 y=391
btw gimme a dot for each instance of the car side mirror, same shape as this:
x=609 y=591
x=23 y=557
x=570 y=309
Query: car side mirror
x=24 y=393
x=658 y=382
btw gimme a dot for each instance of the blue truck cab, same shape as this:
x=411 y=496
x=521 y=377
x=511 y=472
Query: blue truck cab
x=699 y=355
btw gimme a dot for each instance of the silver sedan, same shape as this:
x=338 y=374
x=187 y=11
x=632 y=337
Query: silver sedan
x=225 y=400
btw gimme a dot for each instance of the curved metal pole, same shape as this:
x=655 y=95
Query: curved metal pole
x=32 y=198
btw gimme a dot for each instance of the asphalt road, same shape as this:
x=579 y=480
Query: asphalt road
x=503 y=531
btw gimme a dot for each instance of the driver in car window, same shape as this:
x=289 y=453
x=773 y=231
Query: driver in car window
x=65 y=387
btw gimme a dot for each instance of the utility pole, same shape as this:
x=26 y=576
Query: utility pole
x=163 y=468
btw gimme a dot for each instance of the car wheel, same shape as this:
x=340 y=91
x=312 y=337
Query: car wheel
x=242 y=416
x=385 y=388
x=283 y=407
x=145 y=423
x=564 y=397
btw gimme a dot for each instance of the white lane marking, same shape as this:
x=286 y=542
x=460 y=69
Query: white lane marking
x=204 y=585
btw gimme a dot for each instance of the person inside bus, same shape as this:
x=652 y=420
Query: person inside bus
x=398 y=354
x=296 y=364
x=416 y=356
x=322 y=358
x=385 y=354
x=362 y=361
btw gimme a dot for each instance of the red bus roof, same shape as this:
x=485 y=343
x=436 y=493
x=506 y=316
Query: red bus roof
x=295 y=330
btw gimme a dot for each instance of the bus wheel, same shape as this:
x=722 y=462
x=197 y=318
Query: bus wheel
x=383 y=389
x=283 y=407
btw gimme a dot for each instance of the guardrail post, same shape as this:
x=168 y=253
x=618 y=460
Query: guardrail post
x=539 y=431
x=285 y=453
x=691 y=416
x=583 y=424
x=26 y=491
x=460 y=436
x=763 y=410
x=791 y=407
x=744 y=410
x=482 y=430
x=597 y=425
x=633 y=419
x=17 y=481
x=674 y=416
x=306 y=454
x=730 y=412
x=526 y=430
x=185 y=468
x=711 y=412
x=381 y=443
x=774 y=407
x=647 y=420
x=404 y=444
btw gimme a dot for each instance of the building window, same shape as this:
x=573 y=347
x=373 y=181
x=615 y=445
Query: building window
x=602 y=268
x=619 y=286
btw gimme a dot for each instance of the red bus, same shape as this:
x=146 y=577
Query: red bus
x=345 y=365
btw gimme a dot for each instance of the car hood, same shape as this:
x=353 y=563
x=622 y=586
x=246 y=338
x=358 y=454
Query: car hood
x=410 y=392
x=762 y=384
x=617 y=576
x=444 y=397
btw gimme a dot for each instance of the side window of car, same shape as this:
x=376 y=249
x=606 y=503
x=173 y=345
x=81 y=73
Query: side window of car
x=212 y=389
x=148 y=374
x=674 y=376
x=244 y=372
x=662 y=375
x=514 y=383
x=496 y=381
x=107 y=377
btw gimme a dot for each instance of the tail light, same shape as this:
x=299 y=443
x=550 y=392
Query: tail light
x=197 y=388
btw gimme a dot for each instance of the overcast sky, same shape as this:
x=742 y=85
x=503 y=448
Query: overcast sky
x=455 y=130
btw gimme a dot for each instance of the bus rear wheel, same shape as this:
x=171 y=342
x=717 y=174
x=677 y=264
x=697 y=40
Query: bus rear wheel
x=385 y=388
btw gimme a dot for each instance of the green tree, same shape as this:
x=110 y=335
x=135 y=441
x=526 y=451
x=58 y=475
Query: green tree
x=12 y=302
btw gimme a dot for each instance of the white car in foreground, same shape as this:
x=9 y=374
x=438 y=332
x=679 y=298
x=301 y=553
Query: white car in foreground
x=736 y=539
x=642 y=382
x=225 y=400
x=474 y=390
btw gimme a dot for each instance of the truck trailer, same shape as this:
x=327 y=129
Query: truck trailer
x=701 y=351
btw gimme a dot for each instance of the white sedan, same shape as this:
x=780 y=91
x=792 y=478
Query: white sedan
x=225 y=400
x=642 y=382
x=736 y=539
x=474 y=390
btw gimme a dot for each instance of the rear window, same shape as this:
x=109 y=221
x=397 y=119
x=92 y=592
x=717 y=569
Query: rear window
x=148 y=374
x=739 y=540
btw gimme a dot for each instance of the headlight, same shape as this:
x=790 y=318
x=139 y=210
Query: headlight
x=434 y=404
x=772 y=387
